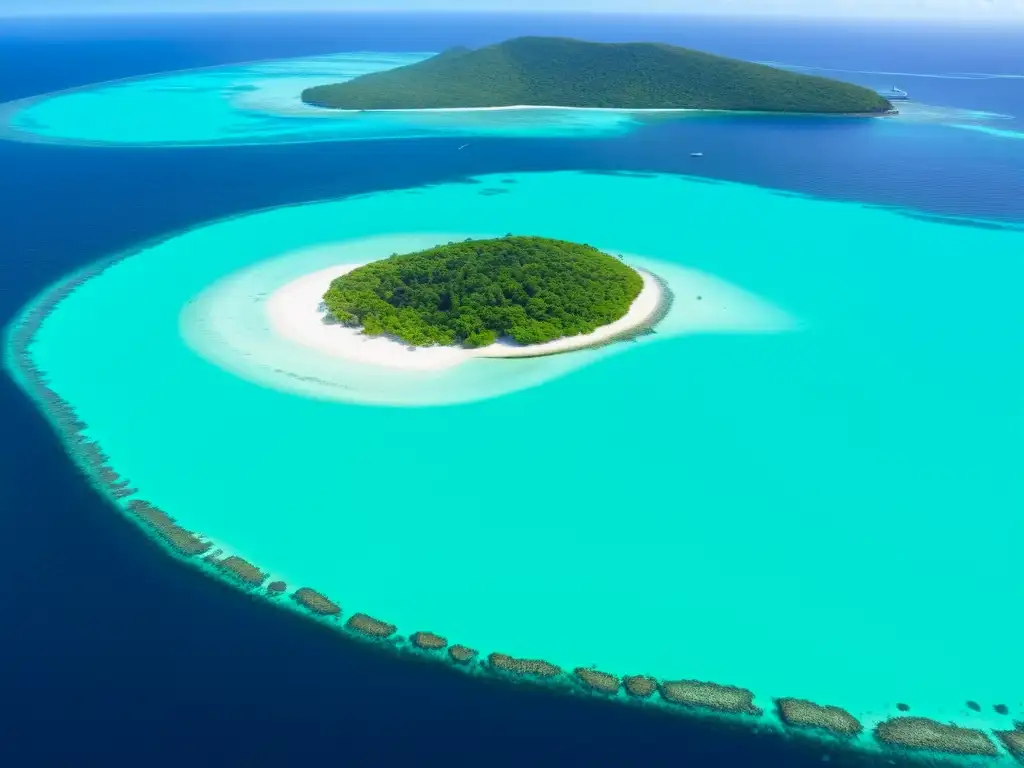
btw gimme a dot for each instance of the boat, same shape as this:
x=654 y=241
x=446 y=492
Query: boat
x=896 y=94
x=696 y=154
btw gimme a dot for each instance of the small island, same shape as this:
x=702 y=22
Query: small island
x=561 y=72
x=524 y=290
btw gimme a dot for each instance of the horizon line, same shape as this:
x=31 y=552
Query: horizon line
x=751 y=15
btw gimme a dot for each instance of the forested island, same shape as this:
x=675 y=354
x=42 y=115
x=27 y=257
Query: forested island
x=529 y=289
x=548 y=71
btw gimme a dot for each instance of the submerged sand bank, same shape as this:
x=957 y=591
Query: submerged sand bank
x=264 y=324
x=295 y=312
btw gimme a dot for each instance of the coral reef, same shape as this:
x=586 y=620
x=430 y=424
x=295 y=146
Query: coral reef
x=598 y=681
x=523 y=667
x=242 y=571
x=428 y=641
x=369 y=626
x=1014 y=742
x=925 y=733
x=315 y=602
x=640 y=686
x=800 y=713
x=185 y=542
x=712 y=696
x=900 y=732
x=460 y=654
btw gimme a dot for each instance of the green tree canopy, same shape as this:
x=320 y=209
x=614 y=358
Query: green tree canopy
x=531 y=289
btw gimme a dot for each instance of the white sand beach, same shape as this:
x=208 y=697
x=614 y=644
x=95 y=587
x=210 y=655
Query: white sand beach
x=515 y=107
x=263 y=323
x=294 y=312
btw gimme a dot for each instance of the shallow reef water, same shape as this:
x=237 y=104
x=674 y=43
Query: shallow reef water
x=748 y=507
x=258 y=103
x=228 y=323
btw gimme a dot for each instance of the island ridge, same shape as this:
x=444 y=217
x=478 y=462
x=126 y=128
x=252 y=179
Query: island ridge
x=561 y=72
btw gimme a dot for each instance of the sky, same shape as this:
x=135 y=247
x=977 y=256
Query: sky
x=981 y=10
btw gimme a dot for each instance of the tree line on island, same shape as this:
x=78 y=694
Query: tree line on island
x=547 y=71
x=530 y=289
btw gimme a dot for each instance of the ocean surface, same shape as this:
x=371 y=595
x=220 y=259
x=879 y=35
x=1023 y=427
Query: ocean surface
x=830 y=509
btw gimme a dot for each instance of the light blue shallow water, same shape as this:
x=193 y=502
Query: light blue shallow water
x=831 y=513
x=259 y=103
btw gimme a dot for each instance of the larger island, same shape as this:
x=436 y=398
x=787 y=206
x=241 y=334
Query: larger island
x=549 y=71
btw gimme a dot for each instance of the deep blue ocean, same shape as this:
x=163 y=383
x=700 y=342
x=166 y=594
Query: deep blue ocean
x=183 y=670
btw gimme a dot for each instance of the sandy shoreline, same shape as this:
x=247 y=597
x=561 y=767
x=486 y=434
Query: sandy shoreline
x=513 y=107
x=618 y=110
x=294 y=312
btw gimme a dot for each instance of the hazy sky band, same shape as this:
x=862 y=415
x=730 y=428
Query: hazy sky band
x=1010 y=10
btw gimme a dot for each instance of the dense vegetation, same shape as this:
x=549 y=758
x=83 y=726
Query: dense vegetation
x=545 y=71
x=528 y=288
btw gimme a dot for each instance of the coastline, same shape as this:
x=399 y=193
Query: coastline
x=295 y=313
x=615 y=110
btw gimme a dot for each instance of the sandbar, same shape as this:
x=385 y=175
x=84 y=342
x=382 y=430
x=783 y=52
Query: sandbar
x=295 y=312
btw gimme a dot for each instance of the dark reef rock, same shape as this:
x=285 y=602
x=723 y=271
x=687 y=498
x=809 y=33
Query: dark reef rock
x=640 y=686
x=461 y=654
x=241 y=571
x=903 y=707
x=800 y=713
x=974 y=706
x=711 y=696
x=276 y=587
x=1001 y=709
x=598 y=681
x=315 y=602
x=925 y=733
x=369 y=626
x=428 y=641
x=523 y=667
x=184 y=542
x=1014 y=742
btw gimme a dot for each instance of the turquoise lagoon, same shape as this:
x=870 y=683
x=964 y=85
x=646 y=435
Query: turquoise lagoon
x=831 y=512
x=259 y=103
